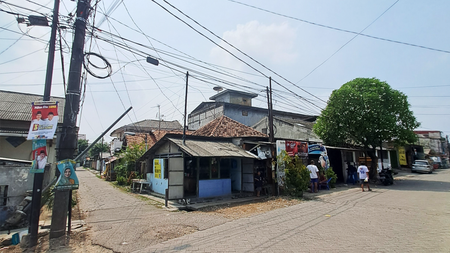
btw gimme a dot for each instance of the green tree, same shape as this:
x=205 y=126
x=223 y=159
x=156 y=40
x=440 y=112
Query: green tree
x=97 y=148
x=366 y=112
x=128 y=160
x=82 y=145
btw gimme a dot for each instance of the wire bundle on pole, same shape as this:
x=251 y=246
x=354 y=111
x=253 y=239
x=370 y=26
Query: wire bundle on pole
x=87 y=62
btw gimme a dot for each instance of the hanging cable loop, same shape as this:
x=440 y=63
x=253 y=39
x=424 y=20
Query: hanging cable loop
x=87 y=62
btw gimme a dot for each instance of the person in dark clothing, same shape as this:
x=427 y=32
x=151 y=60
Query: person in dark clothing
x=351 y=174
x=258 y=183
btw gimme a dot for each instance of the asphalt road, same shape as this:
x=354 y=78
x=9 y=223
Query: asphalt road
x=413 y=215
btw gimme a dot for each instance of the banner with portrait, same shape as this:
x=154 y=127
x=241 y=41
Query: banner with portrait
x=297 y=148
x=39 y=156
x=281 y=174
x=44 y=120
x=319 y=149
x=67 y=180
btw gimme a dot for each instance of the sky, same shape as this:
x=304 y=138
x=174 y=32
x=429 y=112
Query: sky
x=308 y=48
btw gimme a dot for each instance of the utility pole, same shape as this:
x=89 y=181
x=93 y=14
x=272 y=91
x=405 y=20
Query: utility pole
x=185 y=108
x=159 y=119
x=39 y=177
x=269 y=100
x=271 y=133
x=67 y=141
x=101 y=157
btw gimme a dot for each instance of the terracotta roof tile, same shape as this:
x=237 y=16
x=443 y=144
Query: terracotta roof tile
x=226 y=127
x=152 y=137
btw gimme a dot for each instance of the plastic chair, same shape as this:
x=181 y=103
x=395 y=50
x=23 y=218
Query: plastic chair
x=325 y=185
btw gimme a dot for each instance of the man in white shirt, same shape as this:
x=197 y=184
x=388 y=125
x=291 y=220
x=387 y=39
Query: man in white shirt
x=41 y=160
x=363 y=173
x=51 y=119
x=313 y=175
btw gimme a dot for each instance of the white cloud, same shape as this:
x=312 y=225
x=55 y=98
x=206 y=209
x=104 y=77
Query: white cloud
x=269 y=44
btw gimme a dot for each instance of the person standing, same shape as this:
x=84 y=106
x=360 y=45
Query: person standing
x=258 y=183
x=51 y=119
x=313 y=175
x=36 y=122
x=351 y=173
x=363 y=172
x=41 y=160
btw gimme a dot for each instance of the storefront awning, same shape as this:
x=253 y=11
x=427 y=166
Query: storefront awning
x=201 y=148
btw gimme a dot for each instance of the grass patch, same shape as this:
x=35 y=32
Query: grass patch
x=151 y=201
x=124 y=188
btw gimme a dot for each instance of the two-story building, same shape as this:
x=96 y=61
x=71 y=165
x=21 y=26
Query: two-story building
x=236 y=105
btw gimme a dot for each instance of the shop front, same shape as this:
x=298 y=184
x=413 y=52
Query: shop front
x=199 y=168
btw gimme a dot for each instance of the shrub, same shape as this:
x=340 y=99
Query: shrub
x=297 y=176
x=121 y=180
x=121 y=171
x=329 y=173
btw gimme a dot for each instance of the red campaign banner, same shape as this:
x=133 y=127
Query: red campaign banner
x=44 y=120
x=297 y=148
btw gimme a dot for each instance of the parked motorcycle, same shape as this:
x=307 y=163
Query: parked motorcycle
x=386 y=176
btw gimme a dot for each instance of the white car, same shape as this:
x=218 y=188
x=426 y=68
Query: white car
x=422 y=166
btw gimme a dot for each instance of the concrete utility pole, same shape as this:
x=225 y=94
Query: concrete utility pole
x=159 y=119
x=185 y=108
x=67 y=141
x=39 y=177
x=269 y=101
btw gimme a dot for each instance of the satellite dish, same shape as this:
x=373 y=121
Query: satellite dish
x=218 y=88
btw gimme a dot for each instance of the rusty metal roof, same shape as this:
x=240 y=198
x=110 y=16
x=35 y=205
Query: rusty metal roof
x=17 y=105
x=202 y=148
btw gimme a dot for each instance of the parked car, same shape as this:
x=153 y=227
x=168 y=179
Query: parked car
x=422 y=166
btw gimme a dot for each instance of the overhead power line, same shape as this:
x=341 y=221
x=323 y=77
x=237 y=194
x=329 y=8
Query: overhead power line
x=182 y=69
x=354 y=37
x=342 y=30
x=228 y=51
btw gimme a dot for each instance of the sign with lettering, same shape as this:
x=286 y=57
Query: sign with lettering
x=44 y=120
x=157 y=167
x=402 y=156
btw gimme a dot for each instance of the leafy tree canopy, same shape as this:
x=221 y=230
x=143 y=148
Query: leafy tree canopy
x=97 y=148
x=134 y=152
x=82 y=145
x=366 y=112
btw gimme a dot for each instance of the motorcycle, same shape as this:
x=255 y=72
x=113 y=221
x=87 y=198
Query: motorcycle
x=385 y=176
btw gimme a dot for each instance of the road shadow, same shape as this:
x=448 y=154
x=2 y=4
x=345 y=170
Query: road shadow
x=418 y=184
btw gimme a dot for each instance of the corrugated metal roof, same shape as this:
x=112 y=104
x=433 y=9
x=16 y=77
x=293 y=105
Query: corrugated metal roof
x=148 y=125
x=201 y=148
x=306 y=124
x=17 y=106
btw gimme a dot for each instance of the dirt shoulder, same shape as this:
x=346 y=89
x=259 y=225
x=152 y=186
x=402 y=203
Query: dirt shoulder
x=239 y=211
